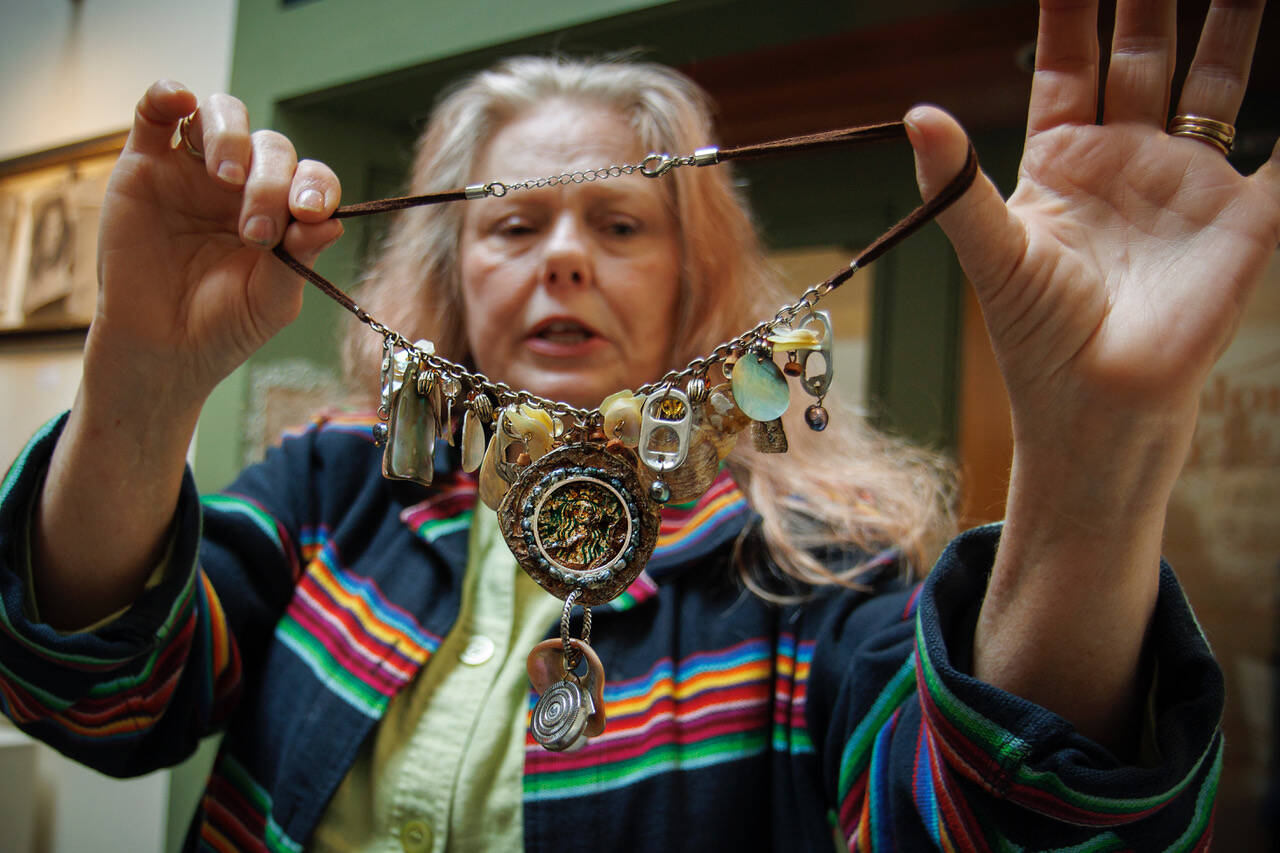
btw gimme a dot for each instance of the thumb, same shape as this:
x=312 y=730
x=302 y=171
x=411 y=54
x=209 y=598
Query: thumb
x=985 y=236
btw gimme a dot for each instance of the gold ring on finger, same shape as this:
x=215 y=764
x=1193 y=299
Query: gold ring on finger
x=184 y=131
x=1210 y=131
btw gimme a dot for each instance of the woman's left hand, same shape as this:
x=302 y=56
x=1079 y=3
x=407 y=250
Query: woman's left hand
x=1110 y=281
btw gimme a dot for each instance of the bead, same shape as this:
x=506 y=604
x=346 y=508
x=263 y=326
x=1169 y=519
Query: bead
x=482 y=406
x=696 y=390
x=816 y=417
x=759 y=387
x=792 y=368
x=659 y=491
x=379 y=434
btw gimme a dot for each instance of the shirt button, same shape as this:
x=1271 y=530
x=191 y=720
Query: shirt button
x=479 y=649
x=415 y=836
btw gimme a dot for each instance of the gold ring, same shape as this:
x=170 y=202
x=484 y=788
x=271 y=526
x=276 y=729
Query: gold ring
x=184 y=125
x=1219 y=134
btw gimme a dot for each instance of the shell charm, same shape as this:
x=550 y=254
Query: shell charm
x=759 y=388
x=411 y=433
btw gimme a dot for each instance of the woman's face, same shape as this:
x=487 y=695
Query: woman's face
x=570 y=291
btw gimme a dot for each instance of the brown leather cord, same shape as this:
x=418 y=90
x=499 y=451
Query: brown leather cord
x=909 y=224
x=888 y=131
x=386 y=205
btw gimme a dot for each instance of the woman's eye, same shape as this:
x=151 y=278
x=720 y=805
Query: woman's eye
x=622 y=227
x=513 y=227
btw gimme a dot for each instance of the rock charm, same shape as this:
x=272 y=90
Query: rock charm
x=769 y=436
x=759 y=388
x=411 y=433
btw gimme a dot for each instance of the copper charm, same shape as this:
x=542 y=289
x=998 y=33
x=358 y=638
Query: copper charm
x=579 y=519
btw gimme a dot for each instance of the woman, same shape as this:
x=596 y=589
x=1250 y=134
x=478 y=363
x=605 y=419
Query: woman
x=1003 y=703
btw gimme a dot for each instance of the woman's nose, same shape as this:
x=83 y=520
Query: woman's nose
x=567 y=254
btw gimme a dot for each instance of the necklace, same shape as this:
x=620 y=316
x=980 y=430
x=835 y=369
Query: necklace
x=579 y=492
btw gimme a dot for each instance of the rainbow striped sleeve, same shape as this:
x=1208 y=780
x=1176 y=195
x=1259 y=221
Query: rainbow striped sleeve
x=105 y=697
x=101 y=697
x=938 y=759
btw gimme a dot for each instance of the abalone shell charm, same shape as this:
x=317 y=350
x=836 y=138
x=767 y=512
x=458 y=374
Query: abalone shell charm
x=759 y=388
x=411 y=433
x=580 y=519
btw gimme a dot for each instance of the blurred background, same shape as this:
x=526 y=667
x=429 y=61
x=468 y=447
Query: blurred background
x=350 y=81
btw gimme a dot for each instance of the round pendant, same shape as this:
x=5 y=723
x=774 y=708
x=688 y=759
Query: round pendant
x=579 y=518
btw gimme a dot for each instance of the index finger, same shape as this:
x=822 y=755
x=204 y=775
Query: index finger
x=157 y=114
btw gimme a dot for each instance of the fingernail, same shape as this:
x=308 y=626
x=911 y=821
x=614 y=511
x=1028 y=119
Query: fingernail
x=310 y=199
x=231 y=172
x=261 y=230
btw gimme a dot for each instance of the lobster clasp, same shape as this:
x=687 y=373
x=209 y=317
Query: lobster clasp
x=656 y=165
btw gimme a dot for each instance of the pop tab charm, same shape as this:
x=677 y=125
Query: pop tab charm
x=817 y=385
x=667 y=419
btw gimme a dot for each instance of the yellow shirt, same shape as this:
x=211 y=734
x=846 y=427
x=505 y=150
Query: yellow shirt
x=443 y=770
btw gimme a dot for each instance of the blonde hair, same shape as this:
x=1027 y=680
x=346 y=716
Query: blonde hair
x=846 y=488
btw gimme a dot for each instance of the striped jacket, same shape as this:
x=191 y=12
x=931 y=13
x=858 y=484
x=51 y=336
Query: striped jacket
x=312 y=590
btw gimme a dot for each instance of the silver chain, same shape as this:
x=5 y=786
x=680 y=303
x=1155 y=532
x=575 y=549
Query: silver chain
x=652 y=166
x=571 y=656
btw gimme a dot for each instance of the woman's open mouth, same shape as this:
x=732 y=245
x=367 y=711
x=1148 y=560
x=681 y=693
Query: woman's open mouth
x=563 y=337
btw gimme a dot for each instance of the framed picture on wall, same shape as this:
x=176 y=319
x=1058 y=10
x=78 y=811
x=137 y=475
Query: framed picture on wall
x=50 y=204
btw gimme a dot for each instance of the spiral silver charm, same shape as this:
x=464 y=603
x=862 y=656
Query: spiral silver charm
x=561 y=715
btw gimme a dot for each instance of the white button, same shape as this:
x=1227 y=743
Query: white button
x=479 y=649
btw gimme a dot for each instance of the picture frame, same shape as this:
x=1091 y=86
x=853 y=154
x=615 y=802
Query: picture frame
x=50 y=206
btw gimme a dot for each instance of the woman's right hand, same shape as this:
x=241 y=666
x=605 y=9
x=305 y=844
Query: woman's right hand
x=189 y=288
